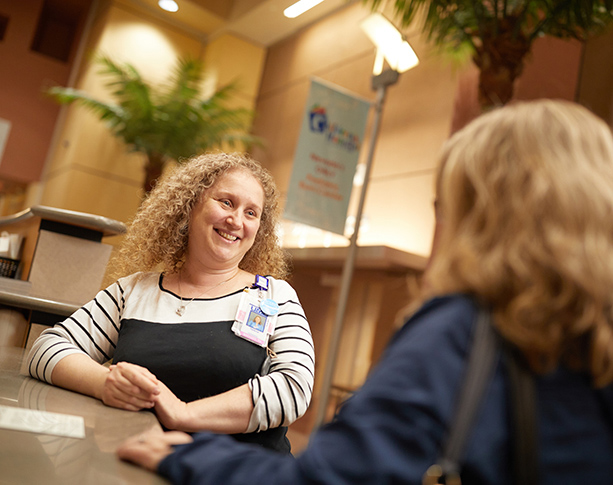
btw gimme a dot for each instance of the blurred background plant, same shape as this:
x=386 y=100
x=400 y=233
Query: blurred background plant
x=171 y=121
x=498 y=34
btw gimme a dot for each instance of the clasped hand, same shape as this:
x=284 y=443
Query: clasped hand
x=129 y=386
x=132 y=387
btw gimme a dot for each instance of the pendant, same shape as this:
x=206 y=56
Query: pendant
x=180 y=311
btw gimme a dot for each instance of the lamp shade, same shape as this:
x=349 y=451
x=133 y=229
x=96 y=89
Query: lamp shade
x=389 y=42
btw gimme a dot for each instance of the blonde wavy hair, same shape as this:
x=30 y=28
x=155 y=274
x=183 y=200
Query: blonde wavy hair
x=157 y=236
x=526 y=205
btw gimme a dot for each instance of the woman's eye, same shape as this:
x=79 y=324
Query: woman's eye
x=226 y=203
x=252 y=213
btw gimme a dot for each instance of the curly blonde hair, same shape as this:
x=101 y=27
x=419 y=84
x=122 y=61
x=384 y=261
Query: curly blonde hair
x=526 y=198
x=157 y=236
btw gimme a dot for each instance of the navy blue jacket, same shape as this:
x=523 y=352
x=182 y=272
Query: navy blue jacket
x=391 y=430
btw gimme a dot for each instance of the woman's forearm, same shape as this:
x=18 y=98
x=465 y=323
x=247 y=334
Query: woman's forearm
x=125 y=386
x=78 y=372
x=227 y=413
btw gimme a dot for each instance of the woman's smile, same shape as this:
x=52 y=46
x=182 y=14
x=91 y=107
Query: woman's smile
x=226 y=236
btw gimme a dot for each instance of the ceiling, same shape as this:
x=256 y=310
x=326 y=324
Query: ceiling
x=258 y=21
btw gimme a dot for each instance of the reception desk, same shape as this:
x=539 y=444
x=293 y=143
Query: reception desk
x=62 y=264
x=35 y=458
x=383 y=283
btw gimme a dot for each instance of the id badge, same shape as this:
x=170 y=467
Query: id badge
x=253 y=320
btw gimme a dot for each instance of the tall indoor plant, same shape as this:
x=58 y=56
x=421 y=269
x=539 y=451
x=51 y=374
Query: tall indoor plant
x=499 y=33
x=174 y=120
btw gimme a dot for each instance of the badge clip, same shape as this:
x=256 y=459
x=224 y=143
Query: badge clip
x=261 y=282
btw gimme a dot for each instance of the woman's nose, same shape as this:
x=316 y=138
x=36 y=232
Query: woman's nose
x=234 y=219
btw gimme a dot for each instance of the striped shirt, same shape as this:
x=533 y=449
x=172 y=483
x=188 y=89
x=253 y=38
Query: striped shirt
x=280 y=396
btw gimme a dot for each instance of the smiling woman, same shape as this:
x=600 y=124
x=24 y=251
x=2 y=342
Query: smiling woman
x=179 y=338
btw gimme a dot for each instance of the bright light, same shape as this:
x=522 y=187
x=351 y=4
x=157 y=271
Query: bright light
x=302 y=240
x=407 y=58
x=360 y=175
x=390 y=43
x=168 y=5
x=327 y=239
x=379 y=63
x=300 y=7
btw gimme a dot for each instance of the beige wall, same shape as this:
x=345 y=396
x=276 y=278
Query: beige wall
x=90 y=170
x=234 y=60
x=415 y=122
x=417 y=118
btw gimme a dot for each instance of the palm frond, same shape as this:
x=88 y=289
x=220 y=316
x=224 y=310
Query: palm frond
x=500 y=33
x=172 y=120
x=110 y=113
x=128 y=88
x=461 y=21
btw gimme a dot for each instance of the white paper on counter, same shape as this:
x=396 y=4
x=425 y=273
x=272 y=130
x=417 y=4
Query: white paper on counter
x=43 y=422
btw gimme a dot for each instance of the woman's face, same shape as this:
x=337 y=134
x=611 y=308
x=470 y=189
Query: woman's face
x=225 y=221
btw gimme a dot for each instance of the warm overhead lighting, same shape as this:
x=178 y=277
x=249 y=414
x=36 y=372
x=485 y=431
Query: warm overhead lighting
x=300 y=7
x=168 y=5
x=390 y=44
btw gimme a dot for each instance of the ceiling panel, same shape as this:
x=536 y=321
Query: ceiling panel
x=259 y=21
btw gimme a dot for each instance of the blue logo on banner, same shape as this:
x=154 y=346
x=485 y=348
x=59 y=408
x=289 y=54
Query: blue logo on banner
x=318 y=123
x=319 y=119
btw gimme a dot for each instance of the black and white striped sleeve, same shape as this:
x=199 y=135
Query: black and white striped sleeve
x=284 y=394
x=92 y=330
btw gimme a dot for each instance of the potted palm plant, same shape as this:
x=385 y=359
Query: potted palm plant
x=499 y=33
x=172 y=121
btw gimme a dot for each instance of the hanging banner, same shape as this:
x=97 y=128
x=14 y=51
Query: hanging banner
x=326 y=157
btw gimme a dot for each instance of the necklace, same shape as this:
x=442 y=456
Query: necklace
x=181 y=310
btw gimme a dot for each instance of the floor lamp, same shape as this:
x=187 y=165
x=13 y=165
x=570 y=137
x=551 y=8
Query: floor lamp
x=400 y=57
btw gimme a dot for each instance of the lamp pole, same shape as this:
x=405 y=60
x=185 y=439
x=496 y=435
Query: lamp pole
x=380 y=83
